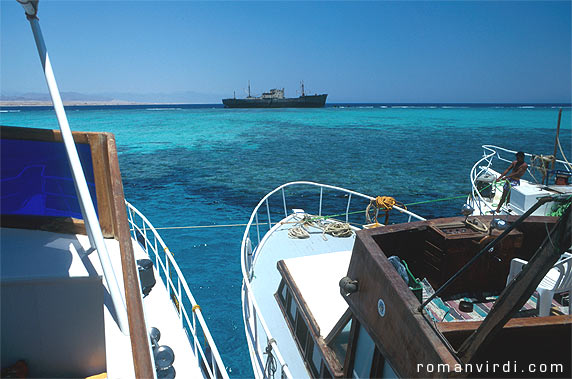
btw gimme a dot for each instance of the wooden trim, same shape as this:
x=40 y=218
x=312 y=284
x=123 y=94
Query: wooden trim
x=328 y=354
x=45 y=135
x=67 y=225
x=514 y=323
x=346 y=317
x=137 y=327
x=306 y=313
x=100 y=162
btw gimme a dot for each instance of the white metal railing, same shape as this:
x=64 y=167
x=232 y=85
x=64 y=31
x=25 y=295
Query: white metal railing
x=490 y=152
x=179 y=292
x=251 y=310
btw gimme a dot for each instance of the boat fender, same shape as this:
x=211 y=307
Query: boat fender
x=146 y=275
x=348 y=286
x=399 y=267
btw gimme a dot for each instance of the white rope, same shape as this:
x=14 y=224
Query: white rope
x=334 y=228
x=298 y=232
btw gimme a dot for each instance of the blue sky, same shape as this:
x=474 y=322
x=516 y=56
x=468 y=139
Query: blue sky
x=400 y=51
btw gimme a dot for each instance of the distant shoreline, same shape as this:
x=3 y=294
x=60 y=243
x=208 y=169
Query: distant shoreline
x=43 y=103
x=114 y=103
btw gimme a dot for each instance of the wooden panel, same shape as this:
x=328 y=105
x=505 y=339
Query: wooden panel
x=100 y=161
x=137 y=327
x=402 y=335
x=518 y=343
x=47 y=223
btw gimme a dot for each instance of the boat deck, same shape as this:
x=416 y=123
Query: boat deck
x=38 y=255
x=523 y=197
x=275 y=247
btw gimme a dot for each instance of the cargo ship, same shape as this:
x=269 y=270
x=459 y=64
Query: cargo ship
x=275 y=99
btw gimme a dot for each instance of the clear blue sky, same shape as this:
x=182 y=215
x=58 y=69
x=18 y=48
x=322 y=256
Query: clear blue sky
x=355 y=51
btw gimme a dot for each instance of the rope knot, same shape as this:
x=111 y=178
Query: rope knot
x=385 y=203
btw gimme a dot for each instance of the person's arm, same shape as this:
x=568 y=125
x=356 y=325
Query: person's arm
x=505 y=171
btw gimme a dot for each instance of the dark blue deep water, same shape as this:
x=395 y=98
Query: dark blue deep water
x=205 y=165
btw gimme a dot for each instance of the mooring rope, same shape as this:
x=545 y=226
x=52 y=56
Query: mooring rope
x=312 y=217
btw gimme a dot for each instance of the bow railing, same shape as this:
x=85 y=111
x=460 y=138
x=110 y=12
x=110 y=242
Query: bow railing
x=192 y=321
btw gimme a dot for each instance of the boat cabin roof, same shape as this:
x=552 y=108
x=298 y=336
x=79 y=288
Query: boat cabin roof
x=315 y=278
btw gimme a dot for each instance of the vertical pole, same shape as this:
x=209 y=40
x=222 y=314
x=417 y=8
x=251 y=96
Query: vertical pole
x=257 y=227
x=348 y=208
x=556 y=141
x=321 y=194
x=88 y=210
x=268 y=212
x=284 y=201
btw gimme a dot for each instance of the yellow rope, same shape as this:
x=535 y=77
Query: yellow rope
x=196 y=306
x=385 y=203
x=381 y=203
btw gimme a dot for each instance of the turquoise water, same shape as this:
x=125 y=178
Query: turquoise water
x=208 y=165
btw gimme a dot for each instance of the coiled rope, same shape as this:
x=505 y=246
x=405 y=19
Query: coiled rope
x=477 y=225
x=335 y=228
x=270 y=366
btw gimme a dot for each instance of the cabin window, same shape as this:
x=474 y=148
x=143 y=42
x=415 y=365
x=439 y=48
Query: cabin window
x=388 y=371
x=301 y=332
x=283 y=291
x=292 y=307
x=325 y=372
x=340 y=342
x=363 y=355
x=316 y=360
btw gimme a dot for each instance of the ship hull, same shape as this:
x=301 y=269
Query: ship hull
x=313 y=101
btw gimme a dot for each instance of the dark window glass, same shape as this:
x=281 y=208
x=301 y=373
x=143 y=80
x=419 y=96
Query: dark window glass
x=325 y=372
x=283 y=291
x=314 y=357
x=340 y=342
x=301 y=332
x=292 y=307
x=37 y=181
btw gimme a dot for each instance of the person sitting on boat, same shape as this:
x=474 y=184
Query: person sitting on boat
x=513 y=179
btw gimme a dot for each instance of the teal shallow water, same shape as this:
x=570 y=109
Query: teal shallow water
x=204 y=166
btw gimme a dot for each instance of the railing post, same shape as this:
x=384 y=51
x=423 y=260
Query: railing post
x=257 y=227
x=284 y=201
x=167 y=276
x=321 y=194
x=194 y=333
x=348 y=207
x=255 y=329
x=145 y=235
x=180 y=300
x=268 y=212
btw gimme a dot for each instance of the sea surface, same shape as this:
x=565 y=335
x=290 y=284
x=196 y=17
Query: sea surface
x=204 y=165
